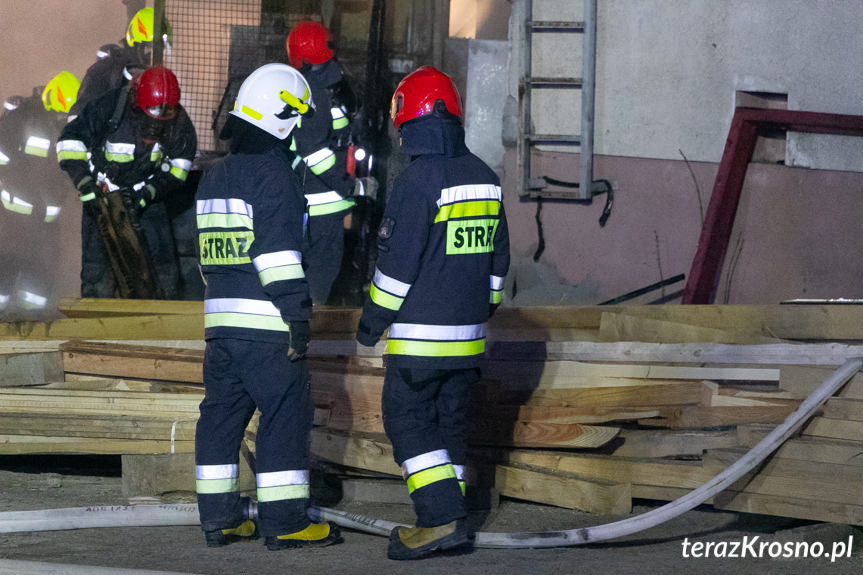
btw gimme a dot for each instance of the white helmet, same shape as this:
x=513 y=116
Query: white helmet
x=273 y=98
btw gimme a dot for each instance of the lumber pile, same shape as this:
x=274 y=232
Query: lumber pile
x=582 y=408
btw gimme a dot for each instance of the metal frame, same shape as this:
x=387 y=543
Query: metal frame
x=746 y=126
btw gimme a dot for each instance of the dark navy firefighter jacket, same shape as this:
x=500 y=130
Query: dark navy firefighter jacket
x=443 y=252
x=250 y=227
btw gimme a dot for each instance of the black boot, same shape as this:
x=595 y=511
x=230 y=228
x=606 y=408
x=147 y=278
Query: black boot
x=419 y=542
x=245 y=531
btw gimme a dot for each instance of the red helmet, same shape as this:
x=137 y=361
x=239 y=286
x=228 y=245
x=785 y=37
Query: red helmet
x=417 y=93
x=308 y=42
x=157 y=93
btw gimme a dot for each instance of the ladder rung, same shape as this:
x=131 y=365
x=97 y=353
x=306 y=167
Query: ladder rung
x=556 y=82
x=555 y=26
x=560 y=139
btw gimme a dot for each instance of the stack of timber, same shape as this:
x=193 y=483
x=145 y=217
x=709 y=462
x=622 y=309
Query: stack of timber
x=583 y=408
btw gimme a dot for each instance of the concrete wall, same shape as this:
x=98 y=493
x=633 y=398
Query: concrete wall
x=39 y=39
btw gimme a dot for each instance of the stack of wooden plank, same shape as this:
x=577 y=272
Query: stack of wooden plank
x=584 y=408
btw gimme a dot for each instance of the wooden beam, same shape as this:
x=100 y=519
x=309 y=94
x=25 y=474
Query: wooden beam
x=563 y=490
x=363 y=451
x=798 y=354
x=794 y=478
x=648 y=443
x=26 y=444
x=647 y=471
x=834 y=428
x=625 y=327
x=698 y=416
x=815 y=449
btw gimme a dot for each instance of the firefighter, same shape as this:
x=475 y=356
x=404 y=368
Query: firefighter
x=118 y=64
x=322 y=142
x=443 y=252
x=137 y=141
x=32 y=191
x=256 y=318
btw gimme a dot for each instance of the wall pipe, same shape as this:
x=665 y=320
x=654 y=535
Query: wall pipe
x=154 y=515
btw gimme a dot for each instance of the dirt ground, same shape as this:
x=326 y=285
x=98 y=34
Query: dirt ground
x=50 y=483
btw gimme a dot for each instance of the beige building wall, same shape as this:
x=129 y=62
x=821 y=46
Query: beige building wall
x=38 y=39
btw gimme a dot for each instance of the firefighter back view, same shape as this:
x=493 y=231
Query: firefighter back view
x=117 y=64
x=125 y=152
x=443 y=252
x=250 y=213
x=321 y=144
x=34 y=193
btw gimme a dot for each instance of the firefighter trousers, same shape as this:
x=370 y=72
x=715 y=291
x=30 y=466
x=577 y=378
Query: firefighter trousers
x=322 y=253
x=240 y=376
x=424 y=414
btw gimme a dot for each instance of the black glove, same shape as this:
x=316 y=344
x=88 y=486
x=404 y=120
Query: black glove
x=300 y=334
x=365 y=337
x=136 y=200
x=90 y=193
x=492 y=307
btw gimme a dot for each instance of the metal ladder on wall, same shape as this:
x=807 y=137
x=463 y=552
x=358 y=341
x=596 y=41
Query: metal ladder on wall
x=543 y=187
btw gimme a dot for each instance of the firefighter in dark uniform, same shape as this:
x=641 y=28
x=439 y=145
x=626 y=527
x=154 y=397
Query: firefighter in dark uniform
x=118 y=64
x=256 y=311
x=33 y=194
x=321 y=144
x=138 y=141
x=443 y=252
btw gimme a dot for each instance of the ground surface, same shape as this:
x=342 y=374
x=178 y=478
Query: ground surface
x=29 y=485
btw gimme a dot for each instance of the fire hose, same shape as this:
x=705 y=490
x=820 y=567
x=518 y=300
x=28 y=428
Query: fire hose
x=187 y=514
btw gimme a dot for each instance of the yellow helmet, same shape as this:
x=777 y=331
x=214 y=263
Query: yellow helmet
x=142 y=28
x=61 y=92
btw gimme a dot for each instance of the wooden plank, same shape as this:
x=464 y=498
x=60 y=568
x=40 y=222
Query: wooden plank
x=649 y=395
x=805 y=322
x=563 y=490
x=824 y=354
x=109 y=328
x=794 y=478
x=803 y=380
x=94 y=307
x=834 y=428
x=776 y=505
x=646 y=471
x=533 y=434
x=784 y=506
x=698 y=416
x=134 y=362
x=123 y=426
x=28 y=368
x=556 y=414
x=363 y=451
x=24 y=444
x=521 y=370
x=843 y=408
x=816 y=449
x=623 y=327
x=646 y=443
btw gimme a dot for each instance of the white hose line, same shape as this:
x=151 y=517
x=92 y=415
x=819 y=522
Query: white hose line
x=15 y=567
x=156 y=515
x=99 y=516
x=692 y=499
